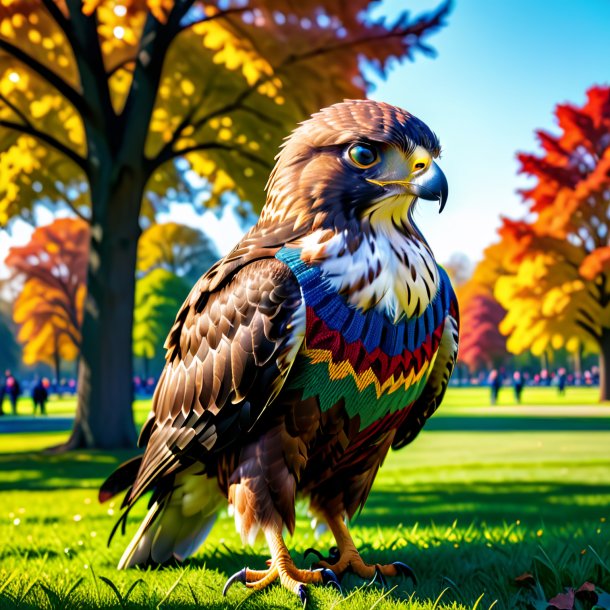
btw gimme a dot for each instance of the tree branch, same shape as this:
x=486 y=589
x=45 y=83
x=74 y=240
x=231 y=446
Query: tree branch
x=47 y=139
x=16 y=110
x=167 y=151
x=72 y=207
x=173 y=154
x=120 y=65
x=220 y=15
x=588 y=329
x=59 y=18
x=58 y=83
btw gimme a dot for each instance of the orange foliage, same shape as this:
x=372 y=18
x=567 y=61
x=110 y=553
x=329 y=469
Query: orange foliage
x=554 y=278
x=49 y=309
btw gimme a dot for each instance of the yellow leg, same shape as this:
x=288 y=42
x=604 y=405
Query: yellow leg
x=349 y=559
x=281 y=567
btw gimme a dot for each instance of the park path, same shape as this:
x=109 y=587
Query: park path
x=10 y=424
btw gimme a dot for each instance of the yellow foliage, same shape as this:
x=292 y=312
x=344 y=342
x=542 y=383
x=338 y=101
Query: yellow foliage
x=542 y=297
x=44 y=329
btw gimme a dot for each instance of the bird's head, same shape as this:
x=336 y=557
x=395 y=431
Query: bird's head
x=355 y=164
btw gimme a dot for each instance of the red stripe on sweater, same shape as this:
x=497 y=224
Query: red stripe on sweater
x=320 y=336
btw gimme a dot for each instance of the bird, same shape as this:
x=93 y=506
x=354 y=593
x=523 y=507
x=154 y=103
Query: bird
x=324 y=339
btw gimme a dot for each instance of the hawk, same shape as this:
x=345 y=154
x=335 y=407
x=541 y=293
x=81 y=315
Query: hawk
x=325 y=338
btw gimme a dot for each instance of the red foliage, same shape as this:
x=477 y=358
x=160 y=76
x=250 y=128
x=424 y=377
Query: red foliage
x=481 y=343
x=572 y=157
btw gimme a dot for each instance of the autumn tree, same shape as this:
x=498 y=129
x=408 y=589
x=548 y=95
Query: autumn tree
x=171 y=256
x=49 y=307
x=180 y=250
x=159 y=294
x=481 y=343
x=98 y=98
x=557 y=291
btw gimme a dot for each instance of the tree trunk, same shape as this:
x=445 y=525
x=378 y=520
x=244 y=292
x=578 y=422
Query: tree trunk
x=57 y=363
x=104 y=417
x=604 y=365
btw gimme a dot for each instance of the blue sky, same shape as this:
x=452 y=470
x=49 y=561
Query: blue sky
x=501 y=67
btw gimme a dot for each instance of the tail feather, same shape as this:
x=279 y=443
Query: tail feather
x=122 y=478
x=176 y=525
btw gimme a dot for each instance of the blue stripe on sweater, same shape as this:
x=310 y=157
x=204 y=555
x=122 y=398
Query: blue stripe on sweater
x=374 y=329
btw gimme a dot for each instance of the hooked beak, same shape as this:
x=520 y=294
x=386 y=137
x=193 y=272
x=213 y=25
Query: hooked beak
x=431 y=186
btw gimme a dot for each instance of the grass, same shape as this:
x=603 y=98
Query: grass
x=469 y=510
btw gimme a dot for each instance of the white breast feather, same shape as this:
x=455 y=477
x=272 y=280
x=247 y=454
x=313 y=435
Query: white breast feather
x=390 y=255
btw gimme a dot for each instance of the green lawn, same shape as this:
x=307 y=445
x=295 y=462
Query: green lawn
x=469 y=510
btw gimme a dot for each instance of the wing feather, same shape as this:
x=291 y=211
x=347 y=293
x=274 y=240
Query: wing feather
x=245 y=331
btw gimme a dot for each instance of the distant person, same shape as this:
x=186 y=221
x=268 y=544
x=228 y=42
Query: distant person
x=562 y=379
x=495 y=383
x=595 y=375
x=518 y=384
x=13 y=389
x=40 y=395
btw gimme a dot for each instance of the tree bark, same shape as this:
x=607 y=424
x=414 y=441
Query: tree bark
x=57 y=362
x=104 y=417
x=604 y=365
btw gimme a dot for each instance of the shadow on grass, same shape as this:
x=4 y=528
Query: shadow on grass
x=549 y=501
x=39 y=471
x=540 y=502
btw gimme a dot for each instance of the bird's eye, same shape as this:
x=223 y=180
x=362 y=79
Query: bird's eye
x=419 y=165
x=363 y=155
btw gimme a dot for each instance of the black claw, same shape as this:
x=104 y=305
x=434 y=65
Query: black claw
x=237 y=577
x=404 y=570
x=329 y=578
x=302 y=593
x=312 y=551
x=378 y=578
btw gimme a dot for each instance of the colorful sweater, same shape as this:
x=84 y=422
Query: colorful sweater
x=376 y=366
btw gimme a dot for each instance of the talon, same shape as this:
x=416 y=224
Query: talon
x=404 y=570
x=302 y=593
x=237 y=577
x=378 y=578
x=329 y=578
x=312 y=551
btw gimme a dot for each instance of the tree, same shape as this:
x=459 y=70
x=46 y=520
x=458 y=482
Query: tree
x=481 y=345
x=159 y=294
x=97 y=99
x=557 y=291
x=171 y=257
x=176 y=248
x=49 y=308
